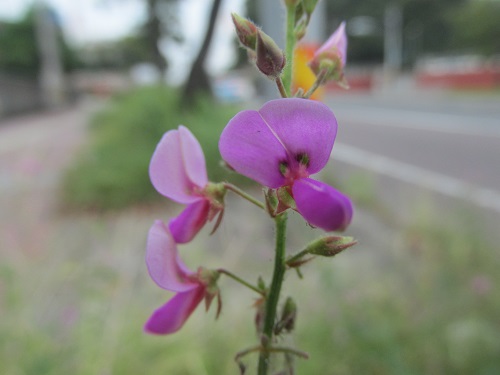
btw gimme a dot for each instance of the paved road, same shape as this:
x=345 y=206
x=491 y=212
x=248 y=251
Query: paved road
x=448 y=145
x=34 y=150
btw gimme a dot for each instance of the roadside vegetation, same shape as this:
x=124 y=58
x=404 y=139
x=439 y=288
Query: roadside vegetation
x=111 y=172
x=426 y=304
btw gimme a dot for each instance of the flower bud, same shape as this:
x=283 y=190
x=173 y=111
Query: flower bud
x=270 y=58
x=246 y=31
x=331 y=245
x=292 y=3
x=329 y=60
x=309 y=6
x=261 y=284
x=260 y=306
x=209 y=279
x=285 y=199
x=301 y=29
x=288 y=317
x=299 y=12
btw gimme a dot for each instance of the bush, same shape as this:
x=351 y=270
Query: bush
x=112 y=171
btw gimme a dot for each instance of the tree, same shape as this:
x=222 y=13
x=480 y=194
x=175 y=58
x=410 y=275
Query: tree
x=475 y=27
x=426 y=20
x=18 y=47
x=198 y=80
x=162 y=24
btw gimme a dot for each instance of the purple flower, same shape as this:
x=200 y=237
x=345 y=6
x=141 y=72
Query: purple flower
x=336 y=43
x=281 y=145
x=332 y=56
x=170 y=273
x=177 y=171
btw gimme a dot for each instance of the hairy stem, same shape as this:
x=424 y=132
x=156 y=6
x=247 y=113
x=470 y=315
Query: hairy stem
x=289 y=48
x=274 y=292
x=240 y=280
x=298 y=256
x=320 y=79
x=244 y=195
x=281 y=88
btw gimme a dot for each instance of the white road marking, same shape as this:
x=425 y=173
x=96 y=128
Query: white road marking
x=438 y=182
x=418 y=120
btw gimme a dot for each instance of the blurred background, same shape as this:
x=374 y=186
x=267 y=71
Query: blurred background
x=87 y=88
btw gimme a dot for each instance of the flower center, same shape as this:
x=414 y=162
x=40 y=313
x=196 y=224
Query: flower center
x=295 y=169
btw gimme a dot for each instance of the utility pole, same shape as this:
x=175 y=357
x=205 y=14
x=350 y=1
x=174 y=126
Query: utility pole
x=393 y=41
x=51 y=73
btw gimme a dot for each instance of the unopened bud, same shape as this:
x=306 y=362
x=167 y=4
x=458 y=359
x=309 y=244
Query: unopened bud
x=209 y=279
x=288 y=316
x=270 y=58
x=309 y=5
x=299 y=12
x=246 y=31
x=261 y=283
x=301 y=29
x=260 y=306
x=331 y=245
x=292 y=3
x=285 y=199
x=330 y=59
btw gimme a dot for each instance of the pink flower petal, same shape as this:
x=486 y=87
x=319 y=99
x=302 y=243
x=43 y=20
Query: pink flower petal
x=337 y=40
x=303 y=126
x=249 y=146
x=256 y=143
x=185 y=226
x=321 y=205
x=193 y=157
x=168 y=169
x=170 y=317
x=164 y=264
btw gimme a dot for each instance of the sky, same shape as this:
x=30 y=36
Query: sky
x=87 y=21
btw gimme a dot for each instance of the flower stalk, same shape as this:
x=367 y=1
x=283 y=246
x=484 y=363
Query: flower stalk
x=244 y=195
x=274 y=292
x=291 y=40
x=320 y=80
x=281 y=87
x=241 y=281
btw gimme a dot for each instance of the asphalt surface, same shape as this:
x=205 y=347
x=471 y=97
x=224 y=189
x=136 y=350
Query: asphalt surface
x=447 y=144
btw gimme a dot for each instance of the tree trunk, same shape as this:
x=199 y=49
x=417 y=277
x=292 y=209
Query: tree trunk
x=154 y=33
x=198 y=80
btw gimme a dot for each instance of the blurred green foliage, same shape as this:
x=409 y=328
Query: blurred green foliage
x=19 y=50
x=112 y=171
x=476 y=27
x=431 y=308
x=429 y=27
x=427 y=305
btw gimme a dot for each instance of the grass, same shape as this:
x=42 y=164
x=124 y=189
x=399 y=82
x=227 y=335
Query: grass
x=427 y=305
x=111 y=172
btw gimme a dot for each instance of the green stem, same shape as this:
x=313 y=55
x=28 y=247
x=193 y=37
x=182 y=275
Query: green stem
x=281 y=88
x=274 y=292
x=320 y=79
x=240 y=280
x=242 y=194
x=297 y=256
x=289 y=48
